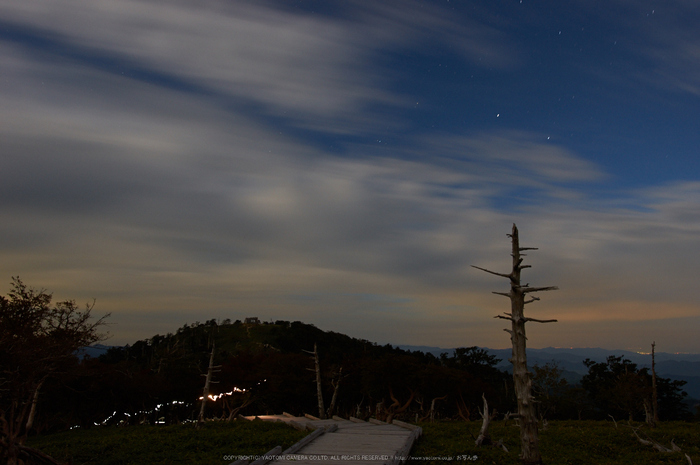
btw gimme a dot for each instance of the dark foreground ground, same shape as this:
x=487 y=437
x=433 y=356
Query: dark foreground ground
x=562 y=442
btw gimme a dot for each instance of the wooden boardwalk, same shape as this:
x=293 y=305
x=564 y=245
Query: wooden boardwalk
x=347 y=442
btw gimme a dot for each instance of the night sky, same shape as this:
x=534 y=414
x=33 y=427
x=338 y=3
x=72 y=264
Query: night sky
x=344 y=163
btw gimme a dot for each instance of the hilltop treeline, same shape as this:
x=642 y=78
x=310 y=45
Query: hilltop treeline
x=266 y=368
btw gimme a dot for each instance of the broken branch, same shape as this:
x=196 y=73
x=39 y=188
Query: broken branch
x=525 y=290
x=492 y=272
x=539 y=321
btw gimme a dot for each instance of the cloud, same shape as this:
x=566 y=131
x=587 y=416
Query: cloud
x=183 y=213
x=202 y=182
x=240 y=203
x=308 y=71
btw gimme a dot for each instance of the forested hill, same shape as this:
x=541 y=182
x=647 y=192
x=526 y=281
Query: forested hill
x=232 y=338
x=264 y=368
x=267 y=368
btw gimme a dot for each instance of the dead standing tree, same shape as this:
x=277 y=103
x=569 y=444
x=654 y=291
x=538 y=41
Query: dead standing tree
x=521 y=376
x=336 y=387
x=654 y=395
x=207 y=383
x=319 y=390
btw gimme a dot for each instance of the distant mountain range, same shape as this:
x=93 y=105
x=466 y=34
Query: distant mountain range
x=674 y=366
x=93 y=351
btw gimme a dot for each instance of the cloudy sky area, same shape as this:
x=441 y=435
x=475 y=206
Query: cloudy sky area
x=344 y=163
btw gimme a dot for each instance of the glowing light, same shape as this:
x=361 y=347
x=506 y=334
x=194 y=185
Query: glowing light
x=140 y=412
x=216 y=397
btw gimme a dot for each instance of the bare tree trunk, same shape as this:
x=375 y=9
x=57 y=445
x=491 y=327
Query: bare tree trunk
x=462 y=409
x=654 y=397
x=335 y=393
x=358 y=411
x=432 y=407
x=205 y=394
x=319 y=387
x=396 y=407
x=319 y=390
x=648 y=417
x=522 y=379
x=246 y=402
x=484 y=438
x=32 y=411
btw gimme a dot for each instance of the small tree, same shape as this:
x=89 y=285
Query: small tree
x=521 y=376
x=37 y=340
x=549 y=386
x=619 y=388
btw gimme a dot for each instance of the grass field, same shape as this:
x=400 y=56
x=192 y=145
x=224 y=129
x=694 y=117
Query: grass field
x=562 y=443
x=217 y=443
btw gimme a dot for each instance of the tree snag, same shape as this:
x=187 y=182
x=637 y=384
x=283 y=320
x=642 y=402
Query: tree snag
x=319 y=388
x=432 y=407
x=207 y=383
x=522 y=378
x=336 y=387
x=233 y=412
x=396 y=408
x=462 y=408
x=484 y=437
x=654 y=395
